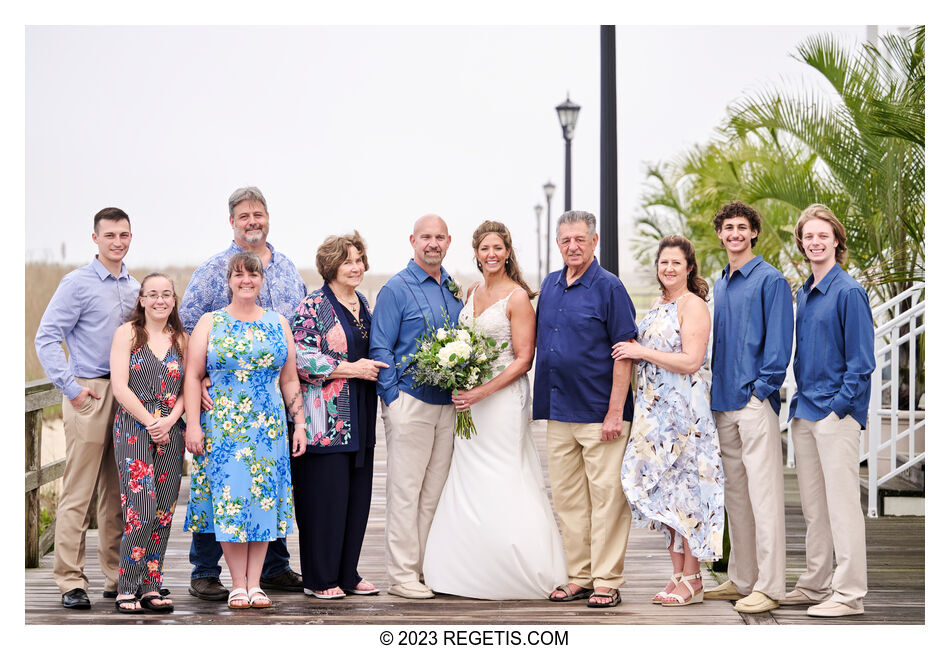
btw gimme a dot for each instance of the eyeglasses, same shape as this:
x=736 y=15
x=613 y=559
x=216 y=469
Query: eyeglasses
x=165 y=295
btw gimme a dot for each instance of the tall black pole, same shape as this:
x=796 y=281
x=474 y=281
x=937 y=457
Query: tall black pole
x=567 y=175
x=547 y=241
x=608 y=149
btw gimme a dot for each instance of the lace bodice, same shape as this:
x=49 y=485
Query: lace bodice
x=494 y=323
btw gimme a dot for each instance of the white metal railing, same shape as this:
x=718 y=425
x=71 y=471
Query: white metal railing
x=887 y=343
x=884 y=413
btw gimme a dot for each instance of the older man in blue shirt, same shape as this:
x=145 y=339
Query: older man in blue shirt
x=585 y=396
x=88 y=306
x=752 y=343
x=419 y=421
x=282 y=291
x=834 y=359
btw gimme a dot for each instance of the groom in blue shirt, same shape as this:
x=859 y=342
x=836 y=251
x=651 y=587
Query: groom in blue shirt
x=752 y=343
x=419 y=421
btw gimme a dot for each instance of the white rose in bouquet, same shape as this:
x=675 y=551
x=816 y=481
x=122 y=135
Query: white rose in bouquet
x=460 y=349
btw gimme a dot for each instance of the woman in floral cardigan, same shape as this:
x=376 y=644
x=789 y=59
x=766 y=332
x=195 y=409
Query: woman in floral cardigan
x=333 y=480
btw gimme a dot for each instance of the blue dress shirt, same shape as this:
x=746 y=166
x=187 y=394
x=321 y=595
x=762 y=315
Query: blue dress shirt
x=407 y=306
x=834 y=354
x=89 y=305
x=752 y=335
x=283 y=289
x=577 y=328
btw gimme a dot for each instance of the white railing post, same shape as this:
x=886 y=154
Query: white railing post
x=874 y=438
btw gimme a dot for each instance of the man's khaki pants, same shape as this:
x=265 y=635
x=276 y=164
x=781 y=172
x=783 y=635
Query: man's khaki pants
x=419 y=442
x=755 y=497
x=589 y=501
x=826 y=461
x=90 y=469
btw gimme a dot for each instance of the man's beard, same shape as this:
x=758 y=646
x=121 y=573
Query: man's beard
x=433 y=257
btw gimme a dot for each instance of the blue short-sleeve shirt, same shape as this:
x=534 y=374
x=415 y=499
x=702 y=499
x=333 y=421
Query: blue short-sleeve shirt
x=577 y=328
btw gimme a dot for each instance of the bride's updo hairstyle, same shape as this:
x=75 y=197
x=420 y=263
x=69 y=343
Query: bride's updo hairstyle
x=694 y=281
x=511 y=264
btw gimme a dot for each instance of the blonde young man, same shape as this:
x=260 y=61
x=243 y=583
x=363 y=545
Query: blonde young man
x=834 y=359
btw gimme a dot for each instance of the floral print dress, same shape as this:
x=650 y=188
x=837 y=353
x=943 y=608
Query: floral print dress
x=240 y=487
x=672 y=469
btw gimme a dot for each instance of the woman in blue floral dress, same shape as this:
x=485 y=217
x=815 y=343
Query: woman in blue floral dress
x=672 y=469
x=240 y=484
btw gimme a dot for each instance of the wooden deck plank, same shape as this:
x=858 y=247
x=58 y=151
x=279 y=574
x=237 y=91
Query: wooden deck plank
x=895 y=562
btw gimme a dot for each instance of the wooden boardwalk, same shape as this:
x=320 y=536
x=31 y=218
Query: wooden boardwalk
x=895 y=559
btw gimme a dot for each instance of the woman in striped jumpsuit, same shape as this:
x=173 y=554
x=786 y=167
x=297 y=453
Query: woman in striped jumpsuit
x=146 y=367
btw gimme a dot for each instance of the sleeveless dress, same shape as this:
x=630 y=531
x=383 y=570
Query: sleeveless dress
x=494 y=535
x=240 y=487
x=672 y=468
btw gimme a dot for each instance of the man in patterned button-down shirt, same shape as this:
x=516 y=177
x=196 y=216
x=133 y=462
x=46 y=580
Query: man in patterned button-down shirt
x=282 y=291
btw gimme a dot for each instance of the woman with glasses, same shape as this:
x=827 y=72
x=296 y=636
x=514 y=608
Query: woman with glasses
x=146 y=371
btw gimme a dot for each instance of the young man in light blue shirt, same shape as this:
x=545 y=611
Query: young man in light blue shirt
x=88 y=306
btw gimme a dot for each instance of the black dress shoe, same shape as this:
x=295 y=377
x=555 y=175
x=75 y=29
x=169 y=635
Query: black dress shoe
x=287 y=581
x=110 y=594
x=208 y=589
x=76 y=599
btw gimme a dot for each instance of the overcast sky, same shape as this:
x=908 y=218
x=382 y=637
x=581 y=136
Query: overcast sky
x=360 y=127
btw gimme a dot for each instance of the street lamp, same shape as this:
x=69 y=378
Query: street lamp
x=537 y=211
x=567 y=114
x=548 y=192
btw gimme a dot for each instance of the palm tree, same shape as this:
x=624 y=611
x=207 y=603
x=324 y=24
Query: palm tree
x=860 y=152
x=868 y=144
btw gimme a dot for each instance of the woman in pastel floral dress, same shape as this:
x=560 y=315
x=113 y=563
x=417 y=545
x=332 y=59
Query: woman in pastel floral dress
x=240 y=485
x=672 y=469
x=147 y=432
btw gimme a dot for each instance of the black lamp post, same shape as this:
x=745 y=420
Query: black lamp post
x=549 y=193
x=567 y=114
x=537 y=212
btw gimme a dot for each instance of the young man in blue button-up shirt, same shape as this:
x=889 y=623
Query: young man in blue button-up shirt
x=419 y=421
x=752 y=343
x=88 y=306
x=834 y=359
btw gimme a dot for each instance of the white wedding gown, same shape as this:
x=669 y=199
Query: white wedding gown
x=494 y=536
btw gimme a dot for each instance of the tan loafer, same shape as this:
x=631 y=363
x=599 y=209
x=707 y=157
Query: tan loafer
x=725 y=591
x=831 y=608
x=798 y=597
x=755 y=603
x=413 y=589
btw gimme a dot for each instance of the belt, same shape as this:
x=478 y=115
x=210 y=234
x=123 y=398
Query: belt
x=105 y=376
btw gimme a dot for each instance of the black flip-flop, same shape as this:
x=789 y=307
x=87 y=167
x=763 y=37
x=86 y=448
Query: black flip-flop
x=571 y=595
x=147 y=601
x=613 y=595
x=125 y=610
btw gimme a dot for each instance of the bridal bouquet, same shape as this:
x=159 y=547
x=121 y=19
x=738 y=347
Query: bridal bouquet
x=456 y=358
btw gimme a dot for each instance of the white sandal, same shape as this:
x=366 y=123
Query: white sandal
x=660 y=595
x=694 y=596
x=238 y=594
x=256 y=594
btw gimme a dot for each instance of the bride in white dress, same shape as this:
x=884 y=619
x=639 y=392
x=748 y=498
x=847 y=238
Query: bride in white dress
x=494 y=535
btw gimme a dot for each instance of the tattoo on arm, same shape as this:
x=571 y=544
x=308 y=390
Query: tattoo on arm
x=294 y=410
